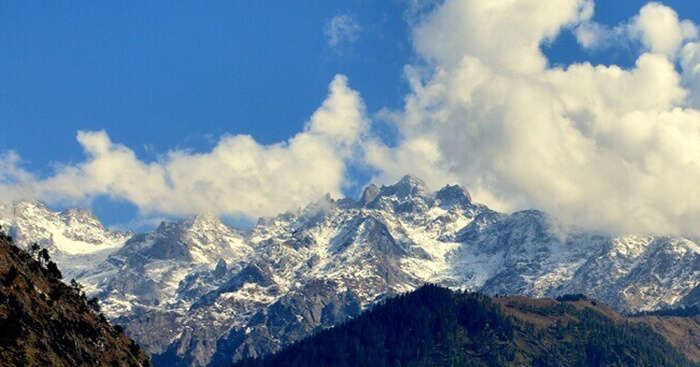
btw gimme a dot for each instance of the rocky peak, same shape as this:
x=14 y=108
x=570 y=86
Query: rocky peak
x=409 y=194
x=168 y=227
x=79 y=216
x=453 y=195
x=407 y=186
x=29 y=204
x=69 y=233
x=201 y=238
x=203 y=222
x=195 y=224
x=25 y=209
x=370 y=192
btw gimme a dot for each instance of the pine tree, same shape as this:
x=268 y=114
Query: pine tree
x=33 y=249
x=53 y=270
x=94 y=304
x=44 y=257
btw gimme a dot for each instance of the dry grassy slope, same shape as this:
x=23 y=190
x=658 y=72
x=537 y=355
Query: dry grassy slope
x=681 y=332
x=43 y=322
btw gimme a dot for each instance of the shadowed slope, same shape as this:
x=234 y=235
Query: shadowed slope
x=44 y=322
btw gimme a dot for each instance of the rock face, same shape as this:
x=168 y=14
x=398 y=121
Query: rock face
x=196 y=288
x=46 y=323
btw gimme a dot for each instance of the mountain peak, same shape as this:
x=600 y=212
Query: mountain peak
x=24 y=207
x=200 y=222
x=78 y=212
x=370 y=192
x=79 y=215
x=205 y=218
x=453 y=195
x=407 y=186
x=411 y=181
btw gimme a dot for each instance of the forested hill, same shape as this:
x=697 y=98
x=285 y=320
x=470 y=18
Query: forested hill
x=434 y=326
x=44 y=322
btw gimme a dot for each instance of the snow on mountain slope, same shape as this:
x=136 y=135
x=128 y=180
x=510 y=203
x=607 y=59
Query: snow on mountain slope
x=196 y=290
x=640 y=273
x=149 y=269
x=75 y=238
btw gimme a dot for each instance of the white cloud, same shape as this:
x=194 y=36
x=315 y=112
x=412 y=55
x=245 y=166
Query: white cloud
x=660 y=29
x=690 y=64
x=657 y=27
x=592 y=35
x=598 y=146
x=503 y=34
x=14 y=181
x=341 y=28
x=341 y=117
x=238 y=175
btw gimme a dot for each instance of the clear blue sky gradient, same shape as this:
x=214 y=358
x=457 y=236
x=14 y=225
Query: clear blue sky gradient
x=160 y=75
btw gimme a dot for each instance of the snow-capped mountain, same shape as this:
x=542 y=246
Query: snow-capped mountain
x=161 y=269
x=75 y=238
x=197 y=291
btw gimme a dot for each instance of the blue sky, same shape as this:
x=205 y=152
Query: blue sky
x=163 y=75
x=159 y=75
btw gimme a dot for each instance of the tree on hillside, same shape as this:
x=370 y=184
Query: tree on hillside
x=44 y=257
x=53 y=270
x=94 y=304
x=33 y=249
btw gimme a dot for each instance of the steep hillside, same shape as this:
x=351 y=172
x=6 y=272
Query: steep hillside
x=679 y=326
x=44 y=322
x=434 y=326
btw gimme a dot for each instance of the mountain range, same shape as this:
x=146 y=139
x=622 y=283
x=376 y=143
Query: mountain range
x=197 y=290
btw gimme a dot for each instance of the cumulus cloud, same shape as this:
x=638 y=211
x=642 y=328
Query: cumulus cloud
x=690 y=64
x=503 y=34
x=598 y=146
x=660 y=29
x=341 y=28
x=657 y=27
x=238 y=175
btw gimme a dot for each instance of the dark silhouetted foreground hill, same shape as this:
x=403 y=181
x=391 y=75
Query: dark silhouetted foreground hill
x=44 y=322
x=434 y=326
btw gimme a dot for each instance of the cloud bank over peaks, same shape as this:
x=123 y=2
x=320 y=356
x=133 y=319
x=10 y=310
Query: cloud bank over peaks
x=597 y=146
x=238 y=175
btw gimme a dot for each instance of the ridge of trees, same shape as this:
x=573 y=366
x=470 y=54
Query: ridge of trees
x=435 y=326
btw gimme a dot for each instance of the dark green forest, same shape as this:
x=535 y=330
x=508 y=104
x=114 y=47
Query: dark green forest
x=680 y=311
x=434 y=326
